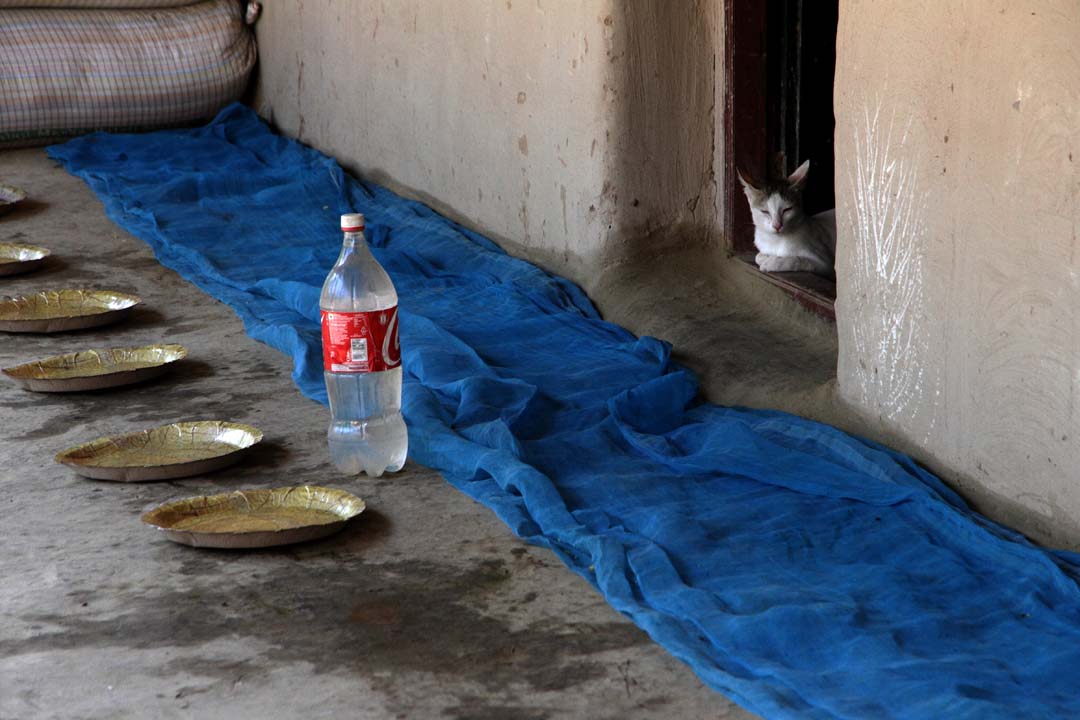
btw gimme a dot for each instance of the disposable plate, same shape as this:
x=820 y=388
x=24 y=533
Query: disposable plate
x=10 y=196
x=16 y=259
x=256 y=518
x=163 y=453
x=59 y=310
x=96 y=369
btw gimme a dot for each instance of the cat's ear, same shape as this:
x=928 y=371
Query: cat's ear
x=798 y=178
x=748 y=185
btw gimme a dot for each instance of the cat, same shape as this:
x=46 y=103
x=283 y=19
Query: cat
x=787 y=239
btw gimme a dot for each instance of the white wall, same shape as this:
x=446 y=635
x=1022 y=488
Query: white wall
x=958 y=191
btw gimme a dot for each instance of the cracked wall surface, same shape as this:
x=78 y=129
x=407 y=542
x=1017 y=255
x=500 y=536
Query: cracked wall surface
x=958 y=313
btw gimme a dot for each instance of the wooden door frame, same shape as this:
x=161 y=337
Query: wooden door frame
x=747 y=127
x=773 y=81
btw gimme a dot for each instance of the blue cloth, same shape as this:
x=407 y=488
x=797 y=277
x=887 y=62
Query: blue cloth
x=802 y=571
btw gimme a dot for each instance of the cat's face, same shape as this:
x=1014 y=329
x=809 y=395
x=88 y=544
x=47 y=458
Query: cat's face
x=777 y=207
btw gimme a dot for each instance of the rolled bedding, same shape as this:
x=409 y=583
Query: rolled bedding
x=99 y=4
x=66 y=72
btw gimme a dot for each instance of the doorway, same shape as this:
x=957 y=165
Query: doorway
x=781 y=63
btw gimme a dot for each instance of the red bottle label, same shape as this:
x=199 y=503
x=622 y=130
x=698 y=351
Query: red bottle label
x=360 y=342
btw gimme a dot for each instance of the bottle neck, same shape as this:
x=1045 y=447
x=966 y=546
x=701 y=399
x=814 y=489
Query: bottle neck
x=352 y=244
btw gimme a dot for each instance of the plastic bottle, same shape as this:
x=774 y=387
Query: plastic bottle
x=362 y=360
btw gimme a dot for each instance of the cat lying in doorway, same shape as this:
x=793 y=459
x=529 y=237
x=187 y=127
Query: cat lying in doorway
x=788 y=240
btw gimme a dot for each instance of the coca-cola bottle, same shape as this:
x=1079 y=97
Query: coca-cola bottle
x=362 y=360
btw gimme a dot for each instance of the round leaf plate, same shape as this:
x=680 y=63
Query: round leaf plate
x=10 y=196
x=256 y=518
x=16 y=259
x=163 y=453
x=96 y=369
x=60 y=310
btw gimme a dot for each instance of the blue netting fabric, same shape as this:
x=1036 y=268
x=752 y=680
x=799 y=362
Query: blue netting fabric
x=802 y=571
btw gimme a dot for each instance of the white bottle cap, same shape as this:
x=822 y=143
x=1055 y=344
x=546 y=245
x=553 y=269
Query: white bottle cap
x=352 y=222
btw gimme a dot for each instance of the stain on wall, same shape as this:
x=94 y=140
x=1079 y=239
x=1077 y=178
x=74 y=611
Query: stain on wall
x=959 y=282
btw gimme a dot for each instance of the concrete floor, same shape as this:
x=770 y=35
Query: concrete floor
x=748 y=342
x=426 y=607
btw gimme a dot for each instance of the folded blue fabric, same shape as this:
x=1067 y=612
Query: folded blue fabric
x=802 y=571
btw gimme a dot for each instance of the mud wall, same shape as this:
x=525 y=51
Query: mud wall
x=958 y=143
x=575 y=133
x=587 y=135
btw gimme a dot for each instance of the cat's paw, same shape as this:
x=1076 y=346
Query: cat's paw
x=770 y=263
x=777 y=263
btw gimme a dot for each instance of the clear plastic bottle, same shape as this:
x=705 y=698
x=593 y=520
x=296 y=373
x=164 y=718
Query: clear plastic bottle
x=362 y=360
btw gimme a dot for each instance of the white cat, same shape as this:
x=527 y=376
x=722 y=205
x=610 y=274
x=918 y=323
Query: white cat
x=788 y=240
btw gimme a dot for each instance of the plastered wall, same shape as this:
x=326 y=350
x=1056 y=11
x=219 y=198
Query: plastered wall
x=958 y=143
x=576 y=133
x=585 y=135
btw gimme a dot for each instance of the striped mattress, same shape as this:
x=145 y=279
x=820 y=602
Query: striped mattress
x=66 y=71
x=94 y=3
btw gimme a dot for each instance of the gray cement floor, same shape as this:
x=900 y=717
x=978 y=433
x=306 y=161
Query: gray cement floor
x=426 y=607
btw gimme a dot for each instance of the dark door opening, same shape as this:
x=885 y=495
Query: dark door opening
x=781 y=63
